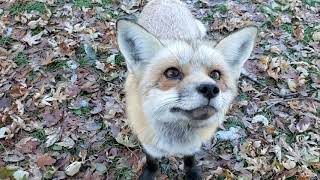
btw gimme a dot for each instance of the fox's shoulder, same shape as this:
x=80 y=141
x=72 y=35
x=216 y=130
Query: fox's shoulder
x=171 y=19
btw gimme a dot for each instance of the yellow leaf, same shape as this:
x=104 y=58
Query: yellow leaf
x=292 y=85
x=316 y=36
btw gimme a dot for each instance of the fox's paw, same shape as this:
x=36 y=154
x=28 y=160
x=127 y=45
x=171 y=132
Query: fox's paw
x=147 y=175
x=193 y=174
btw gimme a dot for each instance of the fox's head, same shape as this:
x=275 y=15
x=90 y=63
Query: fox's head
x=184 y=81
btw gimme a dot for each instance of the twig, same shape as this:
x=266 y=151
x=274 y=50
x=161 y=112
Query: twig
x=291 y=99
x=270 y=89
x=3 y=147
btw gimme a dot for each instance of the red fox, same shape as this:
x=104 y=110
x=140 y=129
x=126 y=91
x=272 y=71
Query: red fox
x=179 y=85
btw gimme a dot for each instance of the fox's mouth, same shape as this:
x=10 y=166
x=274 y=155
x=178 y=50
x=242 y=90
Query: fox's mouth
x=200 y=113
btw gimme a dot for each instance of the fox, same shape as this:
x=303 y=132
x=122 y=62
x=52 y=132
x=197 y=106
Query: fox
x=179 y=84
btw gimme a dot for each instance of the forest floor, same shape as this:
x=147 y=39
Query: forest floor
x=62 y=101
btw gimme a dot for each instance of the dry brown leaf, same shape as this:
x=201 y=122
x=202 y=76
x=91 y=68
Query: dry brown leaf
x=45 y=160
x=32 y=40
x=299 y=32
x=303 y=124
x=292 y=85
x=50 y=119
x=264 y=62
x=27 y=145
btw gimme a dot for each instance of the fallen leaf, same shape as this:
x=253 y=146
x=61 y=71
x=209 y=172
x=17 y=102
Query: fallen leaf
x=260 y=118
x=90 y=53
x=5 y=102
x=316 y=36
x=13 y=156
x=45 y=160
x=212 y=2
x=51 y=119
x=27 y=145
x=66 y=49
x=303 y=124
x=275 y=49
x=231 y=134
x=101 y=66
x=36 y=23
x=32 y=40
x=67 y=142
x=292 y=85
x=92 y=126
x=6 y=172
x=3 y=132
x=46 y=99
x=101 y=168
x=53 y=138
x=21 y=175
x=126 y=140
x=73 y=168
x=299 y=32
x=264 y=63
x=289 y=164
x=274 y=73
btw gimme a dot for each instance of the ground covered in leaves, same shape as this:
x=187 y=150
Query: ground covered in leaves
x=62 y=101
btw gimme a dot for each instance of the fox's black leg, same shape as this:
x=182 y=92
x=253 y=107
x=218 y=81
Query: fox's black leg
x=192 y=172
x=150 y=168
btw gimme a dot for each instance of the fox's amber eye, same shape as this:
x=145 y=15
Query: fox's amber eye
x=173 y=73
x=215 y=75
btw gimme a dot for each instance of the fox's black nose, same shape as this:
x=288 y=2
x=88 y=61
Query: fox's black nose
x=208 y=90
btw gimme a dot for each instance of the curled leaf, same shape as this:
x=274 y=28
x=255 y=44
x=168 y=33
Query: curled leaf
x=260 y=118
x=292 y=85
x=21 y=175
x=73 y=168
x=316 y=36
x=3 y=132
x=303 y=124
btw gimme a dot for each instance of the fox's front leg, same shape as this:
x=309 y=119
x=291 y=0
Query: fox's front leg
x=191 y=170
x=150 y=168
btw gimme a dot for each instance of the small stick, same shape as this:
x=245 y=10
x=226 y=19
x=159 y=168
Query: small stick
x=273 y=91
x=291 y=99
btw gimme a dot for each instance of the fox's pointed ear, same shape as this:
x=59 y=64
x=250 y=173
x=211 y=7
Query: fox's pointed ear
x=237 y=47
x=136 y=44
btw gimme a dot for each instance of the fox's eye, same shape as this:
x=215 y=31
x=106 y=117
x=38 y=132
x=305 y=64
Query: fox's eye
x=215 y=74
x=173 y=73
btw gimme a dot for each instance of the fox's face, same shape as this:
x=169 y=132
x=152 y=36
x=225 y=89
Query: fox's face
x=184 y=81
x=189 y=82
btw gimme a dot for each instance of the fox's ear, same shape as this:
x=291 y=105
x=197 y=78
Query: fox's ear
x=237 y=47
x=136 y=44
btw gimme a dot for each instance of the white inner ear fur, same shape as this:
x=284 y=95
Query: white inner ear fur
x=237 y=47
x=136 y=44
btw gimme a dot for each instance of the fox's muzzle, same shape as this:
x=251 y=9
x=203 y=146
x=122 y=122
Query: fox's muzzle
x=200 y=113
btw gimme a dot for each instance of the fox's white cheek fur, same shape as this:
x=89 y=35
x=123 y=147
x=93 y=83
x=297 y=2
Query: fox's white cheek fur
x=190 y=99
x=223 y=100
x=157 y=105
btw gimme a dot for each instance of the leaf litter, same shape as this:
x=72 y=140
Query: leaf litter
x=62 y=99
